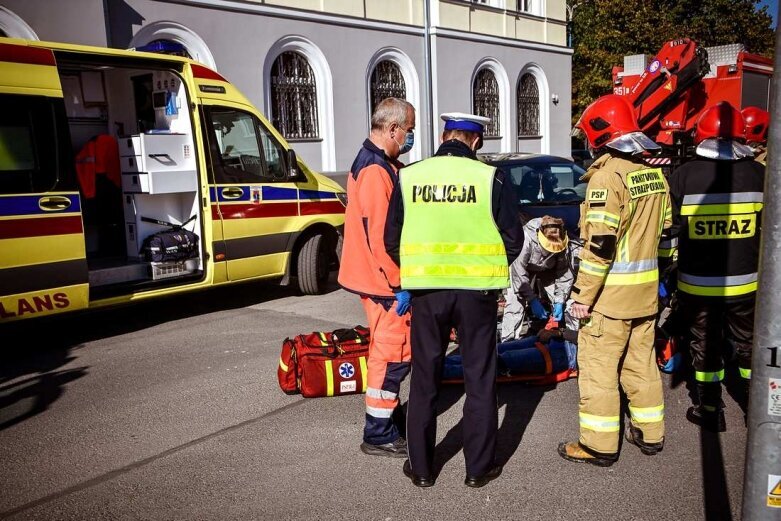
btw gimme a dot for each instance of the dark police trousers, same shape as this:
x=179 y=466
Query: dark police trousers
x=473 y=314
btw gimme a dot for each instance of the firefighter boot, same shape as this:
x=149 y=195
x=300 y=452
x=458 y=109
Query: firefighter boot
x=709 y=414
x=578 y=453
x=635 y=436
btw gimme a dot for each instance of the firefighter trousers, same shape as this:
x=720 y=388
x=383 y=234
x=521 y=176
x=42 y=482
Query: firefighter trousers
x=388 y=364
x=613 y=352
x=712 y=321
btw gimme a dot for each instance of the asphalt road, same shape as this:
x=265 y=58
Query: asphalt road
x=171 y=410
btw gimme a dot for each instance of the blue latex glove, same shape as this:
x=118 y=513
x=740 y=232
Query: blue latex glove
x=558 y=311
x=403 y=299
x=538 y=310
x=662 y=290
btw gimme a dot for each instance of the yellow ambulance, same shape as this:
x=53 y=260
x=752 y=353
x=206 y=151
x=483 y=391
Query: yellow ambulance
x=104 y=153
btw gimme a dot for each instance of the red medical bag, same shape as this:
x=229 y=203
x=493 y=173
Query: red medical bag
x=325 y=364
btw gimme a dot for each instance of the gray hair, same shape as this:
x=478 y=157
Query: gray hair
x=389 y=111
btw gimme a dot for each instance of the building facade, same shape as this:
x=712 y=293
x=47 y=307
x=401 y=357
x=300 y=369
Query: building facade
x=317 y=67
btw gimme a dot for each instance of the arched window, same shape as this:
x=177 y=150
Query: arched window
x=294 y=96
x=386 y=82
x=528 y=106
x=485 y=100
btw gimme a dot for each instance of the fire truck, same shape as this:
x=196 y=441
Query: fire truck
x=671 y=89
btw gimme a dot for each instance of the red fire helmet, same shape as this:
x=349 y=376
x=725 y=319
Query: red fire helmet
x=757 y=124
x=607 y=118
x=720 y=121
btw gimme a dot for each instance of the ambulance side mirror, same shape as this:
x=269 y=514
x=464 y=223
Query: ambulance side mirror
x=293 y=173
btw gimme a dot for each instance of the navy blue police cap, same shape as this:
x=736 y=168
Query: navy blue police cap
x=467 y=122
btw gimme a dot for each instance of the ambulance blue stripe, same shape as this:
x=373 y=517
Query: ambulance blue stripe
x=271 y=193
x=28 y=205
x=316 y=194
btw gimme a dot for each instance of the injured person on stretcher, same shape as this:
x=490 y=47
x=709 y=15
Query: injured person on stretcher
x=546 y=356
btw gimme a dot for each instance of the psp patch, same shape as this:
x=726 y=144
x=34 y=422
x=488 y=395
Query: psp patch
x=346 y=370
x=597 y=194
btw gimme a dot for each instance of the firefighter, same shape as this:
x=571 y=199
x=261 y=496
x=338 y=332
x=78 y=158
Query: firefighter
x=717 y=205
x=615 y=294
x=453 y=227
x=366 y=269
x=757 y=125
x=544 y=262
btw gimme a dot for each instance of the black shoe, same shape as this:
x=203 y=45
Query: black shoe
x=635 y=437
x=394 y=449
x=709 y=420
x=481 y=481
x=418 y=481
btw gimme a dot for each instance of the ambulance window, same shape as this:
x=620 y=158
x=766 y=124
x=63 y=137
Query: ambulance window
x=274 y=155
x=238 y=157
x=32 y=144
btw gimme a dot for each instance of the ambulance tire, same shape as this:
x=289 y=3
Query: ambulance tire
x=313 y=261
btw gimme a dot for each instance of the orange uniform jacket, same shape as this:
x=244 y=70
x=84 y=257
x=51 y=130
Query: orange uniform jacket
x=366 y=268
x=99 y=155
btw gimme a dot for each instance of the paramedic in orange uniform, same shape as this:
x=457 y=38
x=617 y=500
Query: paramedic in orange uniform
x=366 y=269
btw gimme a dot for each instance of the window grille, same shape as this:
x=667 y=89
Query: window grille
x=294 y=96
x=485 y=96
x=528 y=106
x=386 y=82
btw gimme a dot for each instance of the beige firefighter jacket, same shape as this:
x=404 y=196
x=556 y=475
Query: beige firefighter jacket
x=626 y=208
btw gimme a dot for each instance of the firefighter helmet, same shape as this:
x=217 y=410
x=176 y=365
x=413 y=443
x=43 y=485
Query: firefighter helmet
x=720 y=121
x=757 y=124
x=607 y=118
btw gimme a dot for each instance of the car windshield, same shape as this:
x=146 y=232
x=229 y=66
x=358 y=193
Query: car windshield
x=554 y=182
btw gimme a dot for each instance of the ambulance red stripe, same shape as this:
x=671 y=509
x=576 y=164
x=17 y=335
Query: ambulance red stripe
x=24 y=54
x=256 y=211
x=205 y=73
x=321 y=207
x=18 y=228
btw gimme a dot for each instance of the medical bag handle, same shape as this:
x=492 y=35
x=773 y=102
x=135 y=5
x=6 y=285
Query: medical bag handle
x=166 y=223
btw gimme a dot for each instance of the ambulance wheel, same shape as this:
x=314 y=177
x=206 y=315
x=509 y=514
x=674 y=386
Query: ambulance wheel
x=313 y=265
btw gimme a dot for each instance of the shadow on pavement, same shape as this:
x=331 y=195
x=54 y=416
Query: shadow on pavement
x=520 y=402
x=33 y=352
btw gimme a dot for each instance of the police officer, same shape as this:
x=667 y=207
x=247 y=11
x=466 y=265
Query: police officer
x=627 y=207
x=757 y=125
x=453 y=228
x=717 y=208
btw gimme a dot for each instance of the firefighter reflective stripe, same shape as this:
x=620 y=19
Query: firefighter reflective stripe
x=723 y=286
x=380 y=394
x=283 y=365
x=364 y=373
x=596 y=216
x=379 y=412
x=455 y=271
x=329 y=378
x=592 y=268
x=647 y=414
x=323 y=338
x=737 y=197
x=600 y=423
x=722 y=204
x=445 y=248
x=745 y=373
x=633 y=273
x=709 y=376
x=667 y=247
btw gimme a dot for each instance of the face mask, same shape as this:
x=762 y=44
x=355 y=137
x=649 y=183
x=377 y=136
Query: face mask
x=409 y=141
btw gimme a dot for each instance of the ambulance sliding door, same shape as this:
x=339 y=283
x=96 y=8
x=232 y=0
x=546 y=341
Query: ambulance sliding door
x=43 y=265
x=255 y=202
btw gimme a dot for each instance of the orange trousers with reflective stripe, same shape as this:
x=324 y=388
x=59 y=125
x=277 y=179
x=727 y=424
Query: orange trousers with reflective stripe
x=388 y=365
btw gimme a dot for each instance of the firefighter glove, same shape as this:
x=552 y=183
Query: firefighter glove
x=403 y=299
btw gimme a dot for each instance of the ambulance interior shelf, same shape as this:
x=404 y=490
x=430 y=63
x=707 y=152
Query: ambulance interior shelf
x=154 y=151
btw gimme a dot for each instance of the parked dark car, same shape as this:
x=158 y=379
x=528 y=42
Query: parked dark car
x=544 y=185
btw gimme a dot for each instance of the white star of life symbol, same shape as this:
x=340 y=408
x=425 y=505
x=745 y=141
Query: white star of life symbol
x=346 y=370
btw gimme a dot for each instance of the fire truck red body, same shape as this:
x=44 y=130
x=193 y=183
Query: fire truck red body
x=670 y=90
